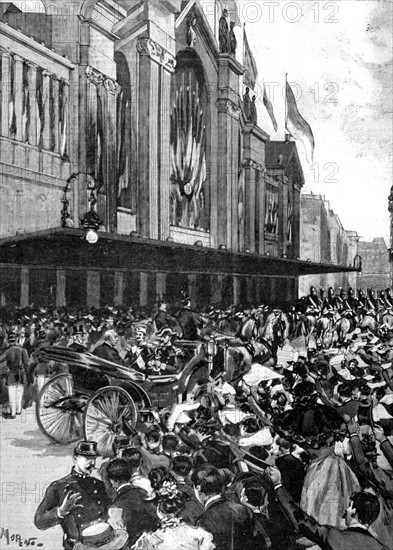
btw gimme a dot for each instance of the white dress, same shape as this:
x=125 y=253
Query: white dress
x=175 y=535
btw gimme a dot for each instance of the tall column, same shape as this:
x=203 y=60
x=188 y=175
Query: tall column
x=164 y=166
x=24 y=287
x=46 y=105
x=93 y=289
x=55 y=114
x=261 y=205
x=229 y=71
x=5 y=91
x=65 y=119
x=143 y=290
x=155 y=66
x=119 y=288
x=249 y=206
x=296 y=221
x=32 y=90
x=18 y=95
x=60 y=288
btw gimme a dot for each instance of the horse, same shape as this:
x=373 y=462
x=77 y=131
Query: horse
x=369 y=321
x=308 y=326
x=323 y=328
x=276 y=329
x=342 y=327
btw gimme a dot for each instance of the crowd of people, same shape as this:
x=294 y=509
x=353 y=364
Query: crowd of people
x=295 y=452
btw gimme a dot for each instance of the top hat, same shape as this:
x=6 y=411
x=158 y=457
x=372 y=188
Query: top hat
x=77 y=329
x=86 y=448
x=102 y=536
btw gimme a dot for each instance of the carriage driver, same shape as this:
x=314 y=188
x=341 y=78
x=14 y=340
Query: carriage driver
x=75 y=501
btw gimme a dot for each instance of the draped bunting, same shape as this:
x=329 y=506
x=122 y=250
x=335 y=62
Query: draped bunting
x=188 y=155
x=271 y=212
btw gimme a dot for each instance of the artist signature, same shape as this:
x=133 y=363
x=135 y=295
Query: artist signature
x=16 y=538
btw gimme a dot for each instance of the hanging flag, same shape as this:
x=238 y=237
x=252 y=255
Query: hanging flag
x=269 y=108
x=251 y=73
x=299 y=128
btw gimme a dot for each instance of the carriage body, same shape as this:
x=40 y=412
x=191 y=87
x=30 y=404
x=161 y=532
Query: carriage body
x=97 y=399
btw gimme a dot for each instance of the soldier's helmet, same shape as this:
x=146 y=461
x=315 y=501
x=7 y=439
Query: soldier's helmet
x=382 y=293
x=312 y=290
x=330 y=292
x=388 y=291
x=371 y=292
x=360 y=293
x=342 y=293
x=350 y=292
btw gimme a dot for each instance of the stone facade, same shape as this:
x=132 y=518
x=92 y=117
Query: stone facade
x=375 y=272
x=323 y=239
x=120 y=111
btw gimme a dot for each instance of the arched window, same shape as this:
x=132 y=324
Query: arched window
x=189 y=192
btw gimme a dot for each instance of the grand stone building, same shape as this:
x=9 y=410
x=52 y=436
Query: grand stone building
x=128 y=167
x=323 y=239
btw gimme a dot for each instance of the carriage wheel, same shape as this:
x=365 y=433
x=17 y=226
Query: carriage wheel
x=107 y=414
x=59 y=413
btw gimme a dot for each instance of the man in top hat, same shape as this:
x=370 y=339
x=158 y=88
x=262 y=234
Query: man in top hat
x=78 y=339
x=76 y=500
x=17 y=361
x=189 y=320
x=108 y=350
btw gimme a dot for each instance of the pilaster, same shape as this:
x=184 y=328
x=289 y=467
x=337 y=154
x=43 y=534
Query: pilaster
x=5 y=91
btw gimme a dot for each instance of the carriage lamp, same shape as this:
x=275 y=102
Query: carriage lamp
x=211 y=350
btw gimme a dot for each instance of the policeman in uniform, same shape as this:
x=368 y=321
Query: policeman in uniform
x=75 y=501
x=17 y=362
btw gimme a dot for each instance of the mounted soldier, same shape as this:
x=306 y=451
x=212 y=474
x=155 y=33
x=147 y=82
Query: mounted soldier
x=313 y=303
x=329 y=306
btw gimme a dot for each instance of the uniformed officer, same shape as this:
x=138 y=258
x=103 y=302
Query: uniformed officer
x=313 y=302
x=75 y=501
x=17 y=362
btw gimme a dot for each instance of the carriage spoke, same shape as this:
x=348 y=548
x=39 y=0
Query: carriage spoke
x=104 y=416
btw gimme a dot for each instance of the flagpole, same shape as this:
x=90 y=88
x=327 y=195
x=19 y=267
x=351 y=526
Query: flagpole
x=286 y=109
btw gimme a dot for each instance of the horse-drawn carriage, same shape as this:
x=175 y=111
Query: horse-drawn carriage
x=97 y=399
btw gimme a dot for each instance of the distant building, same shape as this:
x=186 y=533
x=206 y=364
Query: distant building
x=375 y=272
x=323 y=239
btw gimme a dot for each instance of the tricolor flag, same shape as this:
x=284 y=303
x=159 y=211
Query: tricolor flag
x=251 y=76
x=251 y=73
x=299 y=128
x=269 y=108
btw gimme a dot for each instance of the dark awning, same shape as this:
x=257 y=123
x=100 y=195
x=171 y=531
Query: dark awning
x=64 y=248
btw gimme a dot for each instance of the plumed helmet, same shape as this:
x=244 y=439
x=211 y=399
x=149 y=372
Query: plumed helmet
x=312 y=290
x=330 y=291
x=350 y=291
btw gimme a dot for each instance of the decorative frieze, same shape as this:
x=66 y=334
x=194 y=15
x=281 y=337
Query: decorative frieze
x=249 y=163
x=98 y=78
x=147 y=46
x=229 y=107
